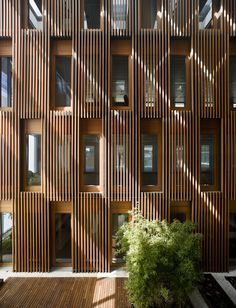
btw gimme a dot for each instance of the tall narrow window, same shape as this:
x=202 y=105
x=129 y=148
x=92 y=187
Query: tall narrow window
x=63 y=237
x=148 y=11
x=5 y=81
x=5 y=237
x=35 y=14
x=205 y=13
x=120 y=80
x=178 y=81
x=207 y=160
x=149 y=160
x=119 y=14
x=91 y=160
x=232 y=80
x=33 y=159
x=117 y=221
x=232 y=236
x=63 y=81
x=92 y=14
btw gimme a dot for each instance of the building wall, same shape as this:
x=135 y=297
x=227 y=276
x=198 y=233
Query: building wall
x=32 y=100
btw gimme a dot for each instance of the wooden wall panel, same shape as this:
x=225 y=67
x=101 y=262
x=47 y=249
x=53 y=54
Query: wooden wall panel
x=230 y=16
x=59 y=176
x=6 y=17
x=31 y=229
x=152 y=205
x=210 y=56
x=121 y=17
x=6 y=154
x=91 y=70
x=121 y=155
x=92 y=234
x=181 y=17
x=150 y=74
x=181 y=155
x=31 y=68
x=213 y=224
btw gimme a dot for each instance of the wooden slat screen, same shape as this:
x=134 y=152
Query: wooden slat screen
x=91 y=69
x=213 y=224
x=91 y=237
x=60 y=156
x=6 y=17
x=30 y=71
x=181 y=17
x=121 y=155
x=152 y=206
x=230 y=16
x=6 y=155
x=31 y=229
x=181 y=155
x=209 y=56
x=121 y=17
x=151 y=74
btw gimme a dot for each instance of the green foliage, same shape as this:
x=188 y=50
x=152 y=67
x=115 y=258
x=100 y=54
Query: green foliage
x=162 y=259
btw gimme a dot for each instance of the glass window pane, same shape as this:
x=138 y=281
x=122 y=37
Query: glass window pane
x=149 y=159
x=120 y=157
x=207 y=160
x=63 y=237
x=120 y=80
x=92 y=14
x=205 y=13
x=149 y=14
x=232 y=80
x=91 y=160
x=178 y=81
x=33 y=159
x=35 y=14
x=232 y=236
x=117 y=221
x=181 y=216
x=119 y=17
x=5 y=237
x=63 y=81
x=5 y=81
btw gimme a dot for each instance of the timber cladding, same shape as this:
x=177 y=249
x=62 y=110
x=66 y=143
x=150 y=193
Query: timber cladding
x=149 y=109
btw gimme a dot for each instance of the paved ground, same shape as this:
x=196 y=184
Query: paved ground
x=63 y=292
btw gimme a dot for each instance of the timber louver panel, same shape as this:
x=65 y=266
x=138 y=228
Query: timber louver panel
x=91 y=223
x=150 y=74
x=31 y=245
x=121 y=155
x=91 y=69
x=152 y=206
x=59 y=176
x=121 y=17
x=230 y=14
x=6 y=17
x=181 y=20
x=6 y=155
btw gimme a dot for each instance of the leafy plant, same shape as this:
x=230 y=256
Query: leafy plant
x=162 y=259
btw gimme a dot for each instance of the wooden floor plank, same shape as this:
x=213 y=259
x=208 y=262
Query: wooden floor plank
x=63 y=292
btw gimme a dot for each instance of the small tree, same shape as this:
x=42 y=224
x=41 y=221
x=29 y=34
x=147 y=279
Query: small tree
x=162 y=259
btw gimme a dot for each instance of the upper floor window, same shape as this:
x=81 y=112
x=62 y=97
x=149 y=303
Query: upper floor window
x=210 y=155
x=61 y=74
x=151 y=154
x=205 y=13
x=232 y=80
x=5 y=81
x=32 y=16
x=5 y=237
x=148 y=9
x=180 y=74
x=92 y=10
x=119 y=14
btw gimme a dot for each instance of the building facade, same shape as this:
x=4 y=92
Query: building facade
x=107 y=105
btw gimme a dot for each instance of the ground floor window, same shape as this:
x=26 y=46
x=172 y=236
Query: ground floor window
x=5 y=237
x=232 y=236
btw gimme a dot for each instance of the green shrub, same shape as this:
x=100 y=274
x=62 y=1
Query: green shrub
x=162 y=259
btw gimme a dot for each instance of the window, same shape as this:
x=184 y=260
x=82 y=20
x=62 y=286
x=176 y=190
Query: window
x=63 y=81
x=149 y=159
x=232 y=236
x=63 y=237
x=91 y=160
x=61 y=74
x=151 y=154
x=205 y=13
x=118 y=219
x=120 y=80
x=91 y=145
x=148 y=9
x=178 y=81
x=5 y=81
x=31 y=139
x=120 y=74
x=210 y=155
x=5 y=237
x=232 y=80
x=31 y=14
x=180 y=210
x=119 y=14
x=92 y=14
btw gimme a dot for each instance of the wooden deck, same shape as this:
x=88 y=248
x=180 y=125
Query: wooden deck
x=63 y=292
